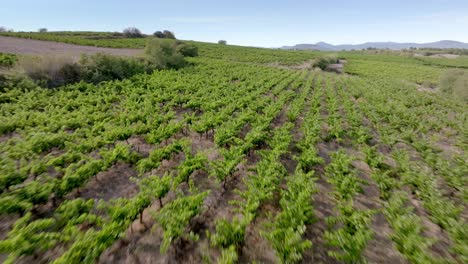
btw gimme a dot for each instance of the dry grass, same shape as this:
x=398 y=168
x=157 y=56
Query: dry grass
x=50 y=70
x=49 y=65
x=455 y=82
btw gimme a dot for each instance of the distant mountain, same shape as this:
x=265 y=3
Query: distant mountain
x=443 y=44
x=305 y=47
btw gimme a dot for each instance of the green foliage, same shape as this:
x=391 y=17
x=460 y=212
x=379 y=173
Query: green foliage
x=289 y=244
x=90 y=245
x=223 y=169
x=164 y=54
x=407 y=230
x=228 y=256
x=120 y=152
x=164 y=132
x=41 y=142
x=190 y=164
x=74 y=179
x=309 y=158
x=10 y=175
x=323 y=62
x=12 y=204
x=155 y=186
x=286 y=231
x=187 y=50
x=102 y=67
x=160 y=154
x=7 y=60
x=351 y=233
x=229 y=234
x=28 y=238
x=343 y=177
x=176 y=215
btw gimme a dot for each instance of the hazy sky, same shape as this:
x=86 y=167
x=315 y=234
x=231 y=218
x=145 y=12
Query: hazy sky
x=256 y=23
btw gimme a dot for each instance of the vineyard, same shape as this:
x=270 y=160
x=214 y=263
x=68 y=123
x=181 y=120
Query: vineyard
x=238 y=158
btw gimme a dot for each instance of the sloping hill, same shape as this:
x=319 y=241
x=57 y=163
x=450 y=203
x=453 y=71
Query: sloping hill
x=39 y=47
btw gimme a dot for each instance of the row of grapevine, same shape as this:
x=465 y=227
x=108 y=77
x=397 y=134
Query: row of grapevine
x=229 y=234
x=390 y=180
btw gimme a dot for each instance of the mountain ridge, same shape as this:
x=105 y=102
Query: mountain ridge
x=324 y=46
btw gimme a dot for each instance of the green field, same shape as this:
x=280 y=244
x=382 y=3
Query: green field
x=246 y=155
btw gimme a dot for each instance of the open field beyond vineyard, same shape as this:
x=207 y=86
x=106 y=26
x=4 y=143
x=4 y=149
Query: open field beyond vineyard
x=247 y=155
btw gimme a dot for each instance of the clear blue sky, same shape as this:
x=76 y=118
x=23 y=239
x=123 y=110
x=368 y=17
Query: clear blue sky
x=255 y=23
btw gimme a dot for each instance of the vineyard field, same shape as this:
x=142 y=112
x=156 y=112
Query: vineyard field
x=247 y=155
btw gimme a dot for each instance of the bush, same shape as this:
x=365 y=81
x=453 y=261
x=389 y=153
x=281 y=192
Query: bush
x=53 y=71
x=16 y=80
x=132 y=32
x=222 y=42
x=50 y=71
x=42 y=30
x=70 y=73
x=103 y=67
x=323 y=62
x=187 y=50
x=7 y=60
x=164 y=54
x=455 y=82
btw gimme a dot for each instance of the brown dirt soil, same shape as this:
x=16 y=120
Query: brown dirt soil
x=323 y=208
x=40 y=47
x=139 y=144
x=303 y=66
x=445 y=56
x=142 y=241
x=256 y=247
x=280 y=119
x=7 y=136
x=432 y=230
x=381 y=249
x=6 y=223
x=112 y=183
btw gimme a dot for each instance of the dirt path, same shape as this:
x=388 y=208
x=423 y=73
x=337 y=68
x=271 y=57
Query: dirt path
x=40 y=47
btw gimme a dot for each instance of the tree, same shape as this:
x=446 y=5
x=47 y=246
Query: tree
x=158 y=34
x=164 y=34
x=222 y=42
x=168 y=34
x=132 y=32
x=42 y=30
x=3 y=29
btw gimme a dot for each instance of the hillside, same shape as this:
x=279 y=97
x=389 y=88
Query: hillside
x=41 y=47
x=243 y=155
